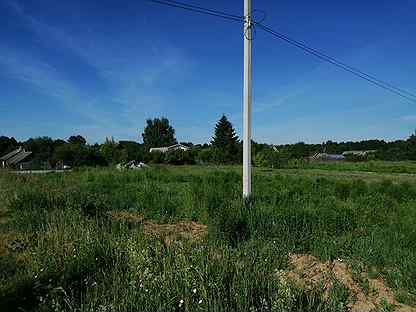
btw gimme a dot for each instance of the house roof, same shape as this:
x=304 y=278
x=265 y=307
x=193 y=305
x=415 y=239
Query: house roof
x=169 y=148
x=328 y=156
x=178 y=146
x=359 y=152
x=18 y=157
x=11 y=154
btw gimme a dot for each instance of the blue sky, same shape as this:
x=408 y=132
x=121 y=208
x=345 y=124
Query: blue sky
x=100 y=68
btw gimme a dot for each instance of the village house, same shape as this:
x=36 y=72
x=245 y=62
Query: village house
x=359 y=153
x=15 y=159
x=171 y=148
x=327 y=157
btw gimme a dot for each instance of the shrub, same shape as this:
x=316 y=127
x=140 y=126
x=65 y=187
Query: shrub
x=271 y=159
x=180 y=157
x=232 y=224
x=157 y=157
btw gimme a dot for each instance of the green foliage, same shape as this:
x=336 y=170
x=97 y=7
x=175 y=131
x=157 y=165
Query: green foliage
x=41 y=147
x=225 y=142
x=232 y=225
x=272 y=159
x=205 y=156
x=369 y=166
x=158 y=132
x=132 y=150
x=156 y=157
x=77 y=139
x=111 y=152
x=180 y=157
x=77 y=155
x=80 y=259
x=7 y=145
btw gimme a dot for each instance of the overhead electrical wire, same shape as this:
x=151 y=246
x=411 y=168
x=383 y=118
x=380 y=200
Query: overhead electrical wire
x=369 y=78
x=199 y=9
x=324 y=57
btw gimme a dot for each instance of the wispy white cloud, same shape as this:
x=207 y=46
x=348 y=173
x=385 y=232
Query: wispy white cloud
x=43 y=77
x=46 y=80
x=131 y=80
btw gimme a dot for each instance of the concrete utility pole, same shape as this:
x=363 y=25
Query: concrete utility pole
x=247 y=100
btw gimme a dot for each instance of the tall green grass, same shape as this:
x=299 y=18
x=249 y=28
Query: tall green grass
x=78 y=259
x=378 y=166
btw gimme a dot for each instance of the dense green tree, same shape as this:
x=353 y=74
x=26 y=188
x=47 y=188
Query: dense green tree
x=158 y=132
x=111 y=151
x=58 y=142
x=7 y=145
x=77 y=139
x=132 y=150
x=225 y=142
x=180 y=157
x=411 y=147
x=42 y=149
x=79 y=155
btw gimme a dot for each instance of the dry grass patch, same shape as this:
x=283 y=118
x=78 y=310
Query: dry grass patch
x=12 y=242
x=188 y=230
x=131 y=218
x=308 y=272
x=167 y=232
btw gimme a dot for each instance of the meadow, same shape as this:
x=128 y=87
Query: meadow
x=182 y=239
x=376 y=166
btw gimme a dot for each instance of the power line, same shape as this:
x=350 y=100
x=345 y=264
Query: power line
x=202 y=8
x=369 y=78
x=324 y=57
x=199 y=9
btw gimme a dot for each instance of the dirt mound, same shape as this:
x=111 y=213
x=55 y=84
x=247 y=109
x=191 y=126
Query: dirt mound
x=308 y=272
x=171 y=232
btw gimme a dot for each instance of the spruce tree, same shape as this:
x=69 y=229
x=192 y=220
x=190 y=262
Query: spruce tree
x=225 y=141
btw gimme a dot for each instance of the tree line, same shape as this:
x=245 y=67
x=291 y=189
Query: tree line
x=224 y=148
x=76 y=152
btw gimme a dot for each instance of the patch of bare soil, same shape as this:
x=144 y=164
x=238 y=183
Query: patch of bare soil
x=12 y=242
x=188 y=230
x=308 y=272
x=170 y=232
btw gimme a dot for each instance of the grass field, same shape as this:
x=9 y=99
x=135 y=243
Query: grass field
x=374 y=166
x=181 y=239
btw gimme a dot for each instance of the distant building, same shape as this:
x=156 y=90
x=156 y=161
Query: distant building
x=327 y=157
x=171 y=148
x=359 y=153
x=15 y=159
